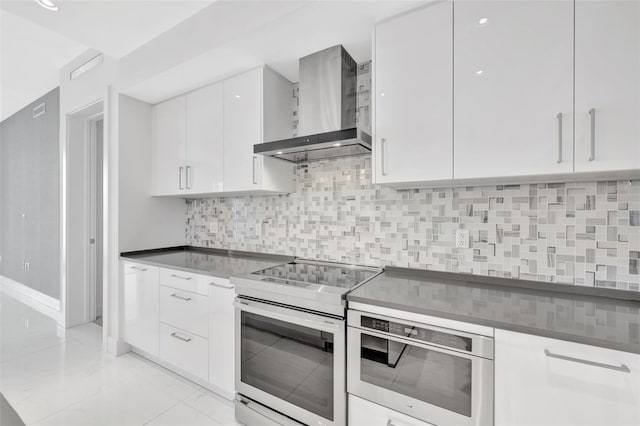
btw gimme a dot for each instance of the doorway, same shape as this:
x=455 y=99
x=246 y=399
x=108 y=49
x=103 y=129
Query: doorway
x=85 y=216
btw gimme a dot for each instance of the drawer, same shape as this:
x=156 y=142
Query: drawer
x=132 y=268
x=185 y=350
x=186 y=281
x=184 y=309
x=366 y=413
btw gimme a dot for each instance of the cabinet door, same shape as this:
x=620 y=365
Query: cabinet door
x=222 y=336
x=412 y=81
x=513 y=79
x=541 y=381
x=607 y=85
x=142 y=307
x=365 y=413
x=242 y=129
x=204 y=140
x=169 y=147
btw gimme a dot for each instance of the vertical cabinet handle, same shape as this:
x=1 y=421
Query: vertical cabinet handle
x=592 y=155
x=559 y=116
x=187 y=176
x=383 y=164
x=180 y=169
x=255 y=179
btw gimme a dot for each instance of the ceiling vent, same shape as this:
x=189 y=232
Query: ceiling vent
x=90 y=64
x=39 y=110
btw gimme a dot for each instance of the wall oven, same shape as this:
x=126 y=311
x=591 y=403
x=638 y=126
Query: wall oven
x=441 y=376
x=291 y=361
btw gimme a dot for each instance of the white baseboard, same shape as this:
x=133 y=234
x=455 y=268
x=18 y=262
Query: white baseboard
x=117 y=347
x=42 y=303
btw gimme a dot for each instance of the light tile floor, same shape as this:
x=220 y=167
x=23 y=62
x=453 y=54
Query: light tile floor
x=64 y=378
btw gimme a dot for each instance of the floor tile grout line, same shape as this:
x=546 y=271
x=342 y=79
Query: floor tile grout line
x=164 y=411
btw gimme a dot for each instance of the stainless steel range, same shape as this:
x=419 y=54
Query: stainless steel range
x=291 y=343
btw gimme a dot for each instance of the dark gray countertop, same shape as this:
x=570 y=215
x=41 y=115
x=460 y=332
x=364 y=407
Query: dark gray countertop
x=214 y=262
x=606 y=318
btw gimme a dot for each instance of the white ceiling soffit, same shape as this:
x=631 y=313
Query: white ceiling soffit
x=279 y=43
x=30 y=61
x=114 y=27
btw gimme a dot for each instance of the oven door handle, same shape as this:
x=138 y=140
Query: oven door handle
x=291 y=316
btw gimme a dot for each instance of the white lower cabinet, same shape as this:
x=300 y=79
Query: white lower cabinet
x=185 y=350
x=222 y=336
x=141 y=306
x=185 y=310
x=542 y=381
x=366 y=413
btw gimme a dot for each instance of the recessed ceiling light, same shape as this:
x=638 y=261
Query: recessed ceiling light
x=483 y=21
x=48 y=4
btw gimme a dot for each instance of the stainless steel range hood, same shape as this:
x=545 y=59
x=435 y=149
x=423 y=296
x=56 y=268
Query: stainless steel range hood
x=327 y=111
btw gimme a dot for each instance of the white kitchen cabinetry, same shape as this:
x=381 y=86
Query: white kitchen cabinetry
x=366 y=413
x=184 y=350
x=257 y=109
x=542 y=381
x=413 y=96
x=204 y=140
x=513 y=88
x=141 y=306
x=222 y=336
x=607 y=85
x=169 y=147
x=204 y=135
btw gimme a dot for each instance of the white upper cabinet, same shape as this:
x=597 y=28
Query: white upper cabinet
x=541 y=381
x=169 y=147
x=257 y=109
x=204 y=134
x=607 y=80
x=204 y=140
x=513 y=96
x=412 y=86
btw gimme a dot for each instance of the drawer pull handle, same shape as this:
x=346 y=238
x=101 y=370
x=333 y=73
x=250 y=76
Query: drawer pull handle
x=177 y=336
x=138 y=268
x=186 y=299
x=182 y=278
x=623 y=368
x=228 y=287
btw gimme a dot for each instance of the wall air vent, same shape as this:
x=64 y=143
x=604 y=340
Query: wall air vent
x=90 y=64
x=39 y=110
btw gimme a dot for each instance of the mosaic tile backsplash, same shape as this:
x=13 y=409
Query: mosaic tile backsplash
x=585 y=233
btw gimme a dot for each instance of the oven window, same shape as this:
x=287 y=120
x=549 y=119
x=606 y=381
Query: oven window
x=289 y=361
x=431 y=376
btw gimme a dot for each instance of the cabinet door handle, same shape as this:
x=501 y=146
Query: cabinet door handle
x=180 y=169
x=182 y=278
x=592 y=155
x=186 y=299
x=391 y=422
x=255 y=180
x=187 y=176
x=179 y=337
x=138 y=268
x=559 y=137
x=383 y=164
x=623 y=368
x=221 y=286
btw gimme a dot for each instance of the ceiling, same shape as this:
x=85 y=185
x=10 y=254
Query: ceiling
x=36 y=42
x=183 y=44
x=279 y=43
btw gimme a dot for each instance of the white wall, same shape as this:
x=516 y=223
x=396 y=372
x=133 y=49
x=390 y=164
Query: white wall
x=144 y=221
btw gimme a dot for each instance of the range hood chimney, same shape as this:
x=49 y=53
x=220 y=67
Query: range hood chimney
x=327 y=111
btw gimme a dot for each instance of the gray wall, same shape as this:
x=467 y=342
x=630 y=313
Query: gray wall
x=29 y=196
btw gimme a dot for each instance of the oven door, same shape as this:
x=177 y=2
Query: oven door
x=439 y=386
x=291 y=361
